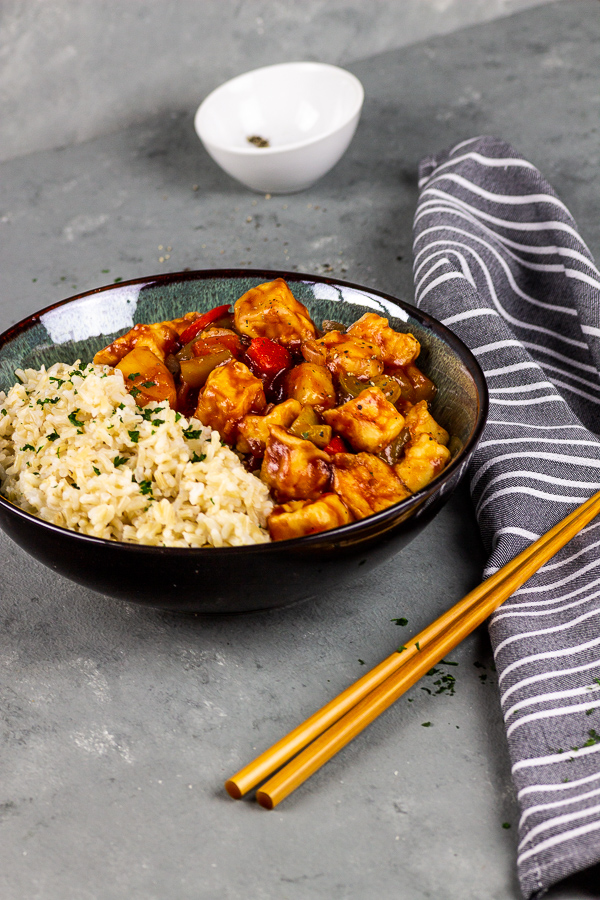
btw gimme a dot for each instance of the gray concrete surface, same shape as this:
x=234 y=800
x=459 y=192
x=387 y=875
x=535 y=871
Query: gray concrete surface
x=119 y=724
x=71 y=71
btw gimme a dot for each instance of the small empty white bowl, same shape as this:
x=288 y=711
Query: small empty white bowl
x=306 y=112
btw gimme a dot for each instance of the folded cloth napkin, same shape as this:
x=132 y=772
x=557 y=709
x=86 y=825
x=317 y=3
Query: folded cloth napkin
x=498 y=258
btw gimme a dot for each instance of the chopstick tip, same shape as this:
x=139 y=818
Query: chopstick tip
x=264 y=799
x=233 y=790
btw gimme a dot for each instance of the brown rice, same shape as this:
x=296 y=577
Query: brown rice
x=77 y=451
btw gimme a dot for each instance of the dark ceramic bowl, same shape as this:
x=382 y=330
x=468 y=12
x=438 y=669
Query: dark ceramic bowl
x=238 y=579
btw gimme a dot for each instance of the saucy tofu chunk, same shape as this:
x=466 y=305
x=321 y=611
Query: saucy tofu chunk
x=397 y=348
x=294 y=468
x=423 y=459
x=368 y=422
x=348 y=354
x=160 y=338
x=146 y=377
x=366 y=484
x=253 y=431
x=270 y=310
x=300 y=517
x=230 y=393
x=219 y=337
x=420 y=421
x=312 y=385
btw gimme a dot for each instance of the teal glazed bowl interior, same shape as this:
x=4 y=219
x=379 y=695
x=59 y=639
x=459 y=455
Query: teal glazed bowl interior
x=262 y=576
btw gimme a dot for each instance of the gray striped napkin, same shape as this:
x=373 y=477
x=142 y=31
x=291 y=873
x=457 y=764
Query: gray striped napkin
x=498 y=258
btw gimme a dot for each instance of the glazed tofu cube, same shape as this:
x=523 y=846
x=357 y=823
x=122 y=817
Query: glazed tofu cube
x=253 y=431
x=294 y=469
x=311 y=385
x=300 y=517
x=230 y=393
x=159 y=338
x=424 y=458
x=420 y=421
x=350 y=354
x=366 y=484
x=270 y=310
x=397 y=348
x=368 y=422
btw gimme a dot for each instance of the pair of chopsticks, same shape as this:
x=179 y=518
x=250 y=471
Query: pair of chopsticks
x=334 y=726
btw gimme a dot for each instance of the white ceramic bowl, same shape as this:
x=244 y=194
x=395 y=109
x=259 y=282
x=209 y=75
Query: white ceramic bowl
x=308 y=113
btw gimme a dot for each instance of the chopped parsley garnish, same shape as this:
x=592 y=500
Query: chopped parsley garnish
x=97 y=471
x=134 y=436
x=401 y=621
x=51 y=400
x=148 y=384
x=119 y=460
x=362 y=662
x=134 y=375
x=594 y=738
x=145 y=487
x=196 y=458
x=191 y=434
x=28 y=447
x=54 y=436
x=121 y=406
x=4 y=412
x=72 y=417
x=76 y=486
x=59 y=381
x=178 y=416
x=158 y=421
x=426 y=724
x=134 y=391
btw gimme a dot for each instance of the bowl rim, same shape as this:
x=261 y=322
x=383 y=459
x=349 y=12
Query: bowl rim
x=343 y=533
x=262 y=152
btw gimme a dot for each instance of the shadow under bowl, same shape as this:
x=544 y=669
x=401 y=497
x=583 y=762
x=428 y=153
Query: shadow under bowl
x=263 y=576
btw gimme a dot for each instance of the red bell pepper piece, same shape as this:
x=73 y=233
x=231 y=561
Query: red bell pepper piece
x=335 y=445
x=201 y=323
x=268 y=356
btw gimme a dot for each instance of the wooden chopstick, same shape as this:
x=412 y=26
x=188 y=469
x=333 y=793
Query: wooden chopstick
x=363 y=701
